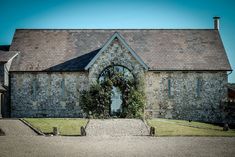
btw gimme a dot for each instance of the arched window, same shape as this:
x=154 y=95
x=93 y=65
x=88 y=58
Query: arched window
x=111 y=71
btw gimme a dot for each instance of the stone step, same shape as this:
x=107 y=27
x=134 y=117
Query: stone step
x=116 y=127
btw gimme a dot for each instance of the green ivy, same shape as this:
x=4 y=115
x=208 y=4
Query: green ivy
x=96 y=101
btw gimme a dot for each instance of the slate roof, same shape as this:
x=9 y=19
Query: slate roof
x=160 y=49
x=5 y=56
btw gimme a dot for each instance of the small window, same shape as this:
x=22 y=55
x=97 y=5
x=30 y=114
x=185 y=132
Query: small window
x=170 y=92
x=34 y=88
x=62 y=88
x=198 y=87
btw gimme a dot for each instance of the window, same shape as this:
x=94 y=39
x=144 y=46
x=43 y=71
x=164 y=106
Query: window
x=34 y=88
x=111 y=71
x=62 y=85
x=198 y=87
x=170 y=92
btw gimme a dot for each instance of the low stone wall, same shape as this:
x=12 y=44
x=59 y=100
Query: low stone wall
x=188 y=98
x=47 y=94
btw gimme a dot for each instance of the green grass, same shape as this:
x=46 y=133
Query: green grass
x=66 y=126
x=166 y=127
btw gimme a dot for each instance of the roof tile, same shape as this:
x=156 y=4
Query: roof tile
x=160 y=49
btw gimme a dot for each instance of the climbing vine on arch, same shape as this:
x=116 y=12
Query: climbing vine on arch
x=96 y=101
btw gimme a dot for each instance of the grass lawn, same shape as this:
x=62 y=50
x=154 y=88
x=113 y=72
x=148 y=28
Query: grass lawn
x=166 y=127
x=66 y=126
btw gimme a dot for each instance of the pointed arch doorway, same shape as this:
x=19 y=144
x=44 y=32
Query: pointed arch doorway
x=110 y=72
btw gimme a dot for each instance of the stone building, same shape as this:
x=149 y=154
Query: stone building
x=184 y=70
x=6 y=58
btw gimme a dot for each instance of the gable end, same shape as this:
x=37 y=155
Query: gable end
x=121 y=39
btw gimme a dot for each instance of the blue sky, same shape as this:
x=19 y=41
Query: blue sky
x=119 y=14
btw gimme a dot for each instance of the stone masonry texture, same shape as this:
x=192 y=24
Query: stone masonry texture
x=43 y=95
x=184 y=101
x=116 y=54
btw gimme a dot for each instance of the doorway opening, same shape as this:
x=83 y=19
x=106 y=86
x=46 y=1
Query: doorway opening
x=116 y=102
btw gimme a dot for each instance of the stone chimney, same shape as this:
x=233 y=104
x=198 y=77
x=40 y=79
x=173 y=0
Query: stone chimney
x=216 y=22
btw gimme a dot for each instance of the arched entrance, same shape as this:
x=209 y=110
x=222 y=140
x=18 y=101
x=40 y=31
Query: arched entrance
x=115 y=72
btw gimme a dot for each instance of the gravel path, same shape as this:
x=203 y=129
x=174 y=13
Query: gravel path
x=123 y=146
x=14 y=127
x=116 y=127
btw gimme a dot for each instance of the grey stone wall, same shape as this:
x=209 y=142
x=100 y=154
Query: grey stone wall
x=187 y=100
x=44 y=95
x=47 y=94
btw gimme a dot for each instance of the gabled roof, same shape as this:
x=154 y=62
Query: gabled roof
x=5 y=56
x=122 y=40
x=159 y=49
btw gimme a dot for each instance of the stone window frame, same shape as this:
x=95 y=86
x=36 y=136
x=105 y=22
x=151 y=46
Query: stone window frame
x=49 y=86
x=34 y=90
x=169 y=87
x=63 y=90
x=198 y=88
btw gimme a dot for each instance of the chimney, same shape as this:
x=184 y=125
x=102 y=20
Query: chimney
x=216 y=22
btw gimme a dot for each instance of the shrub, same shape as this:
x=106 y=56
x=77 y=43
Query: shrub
x=96 y=101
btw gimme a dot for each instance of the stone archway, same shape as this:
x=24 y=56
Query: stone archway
x=104 y=99
x=109 y=73
x=116 y=57
x=113 y=70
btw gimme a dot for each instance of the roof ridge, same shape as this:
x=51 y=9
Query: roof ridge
x=115 y=29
